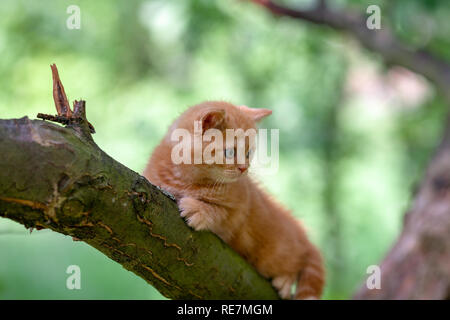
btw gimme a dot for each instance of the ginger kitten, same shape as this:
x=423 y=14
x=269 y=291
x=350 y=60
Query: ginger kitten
x=222 y=198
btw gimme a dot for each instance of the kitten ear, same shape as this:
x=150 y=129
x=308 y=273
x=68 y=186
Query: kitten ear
x=213 y=119
x=256 y=114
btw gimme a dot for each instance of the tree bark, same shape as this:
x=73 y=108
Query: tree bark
x=57 y=178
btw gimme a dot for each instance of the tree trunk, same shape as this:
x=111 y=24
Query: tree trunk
x=418 y=266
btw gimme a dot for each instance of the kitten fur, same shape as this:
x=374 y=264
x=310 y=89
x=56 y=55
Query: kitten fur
x=222 y=198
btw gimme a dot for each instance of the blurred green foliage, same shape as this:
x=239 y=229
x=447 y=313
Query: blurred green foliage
x=348 y=172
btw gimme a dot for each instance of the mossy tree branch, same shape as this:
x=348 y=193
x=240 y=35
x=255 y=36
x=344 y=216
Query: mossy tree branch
x=57 y=178
x=52 y=177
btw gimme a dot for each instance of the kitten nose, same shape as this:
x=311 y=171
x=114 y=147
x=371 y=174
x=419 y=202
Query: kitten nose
x=242 y=169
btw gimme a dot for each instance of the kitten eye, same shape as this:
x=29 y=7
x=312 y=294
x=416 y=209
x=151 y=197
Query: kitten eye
x=229 y=153
x=249 y=153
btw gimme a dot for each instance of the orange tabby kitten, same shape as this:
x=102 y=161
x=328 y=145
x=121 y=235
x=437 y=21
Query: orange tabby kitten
x=223 y=199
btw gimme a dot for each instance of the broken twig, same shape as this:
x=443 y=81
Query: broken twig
x=64 y=113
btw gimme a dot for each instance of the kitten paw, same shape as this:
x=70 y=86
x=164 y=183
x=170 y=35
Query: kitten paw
x=283 y=284
x=191 y=211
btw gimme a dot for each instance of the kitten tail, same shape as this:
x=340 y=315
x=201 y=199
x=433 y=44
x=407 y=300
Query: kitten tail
x=312 y=278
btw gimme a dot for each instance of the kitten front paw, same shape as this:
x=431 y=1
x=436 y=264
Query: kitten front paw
x=191 y=211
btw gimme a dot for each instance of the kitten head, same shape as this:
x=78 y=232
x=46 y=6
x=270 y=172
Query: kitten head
x=227 y=135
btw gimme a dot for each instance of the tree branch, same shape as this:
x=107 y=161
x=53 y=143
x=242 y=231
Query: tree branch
x=380 y=41
x=58 y=178
x=51 y=177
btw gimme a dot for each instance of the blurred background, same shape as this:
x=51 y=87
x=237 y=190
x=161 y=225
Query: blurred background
x=355 y=135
